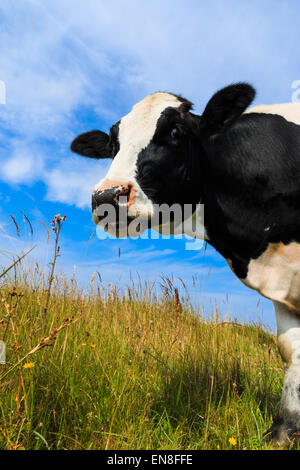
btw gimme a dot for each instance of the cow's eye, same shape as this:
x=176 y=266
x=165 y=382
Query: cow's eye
x=175 y=133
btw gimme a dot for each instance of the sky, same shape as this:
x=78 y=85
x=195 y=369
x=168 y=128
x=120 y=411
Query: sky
x=72 y=66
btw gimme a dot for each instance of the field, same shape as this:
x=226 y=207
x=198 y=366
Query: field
x=101 y=369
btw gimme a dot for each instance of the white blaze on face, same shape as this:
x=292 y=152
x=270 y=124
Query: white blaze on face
x=136 y=130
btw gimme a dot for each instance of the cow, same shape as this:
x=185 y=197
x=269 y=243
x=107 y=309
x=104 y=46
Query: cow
x=243 y=165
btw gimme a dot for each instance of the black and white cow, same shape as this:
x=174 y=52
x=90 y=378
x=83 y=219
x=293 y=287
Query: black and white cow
x=245 y=168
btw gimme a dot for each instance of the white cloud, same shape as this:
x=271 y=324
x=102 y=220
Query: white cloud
x=71 y=181
x=22 y=167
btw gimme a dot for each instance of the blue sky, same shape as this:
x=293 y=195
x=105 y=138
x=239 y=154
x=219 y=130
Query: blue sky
x=72 y=66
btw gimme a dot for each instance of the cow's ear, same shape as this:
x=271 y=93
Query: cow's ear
x=225 y=106
x=93 y=144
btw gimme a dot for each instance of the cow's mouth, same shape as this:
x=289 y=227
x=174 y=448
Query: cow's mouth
x=117 y=225
x=123 y=228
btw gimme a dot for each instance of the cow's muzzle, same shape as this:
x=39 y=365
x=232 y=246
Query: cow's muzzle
x=116 y=195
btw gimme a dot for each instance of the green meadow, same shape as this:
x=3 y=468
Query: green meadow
x=105 y=368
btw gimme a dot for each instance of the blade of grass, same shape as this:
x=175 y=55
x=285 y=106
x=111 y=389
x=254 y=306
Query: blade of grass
x=16 y=262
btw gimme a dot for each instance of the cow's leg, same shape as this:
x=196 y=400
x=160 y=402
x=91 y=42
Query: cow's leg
x=287 y=420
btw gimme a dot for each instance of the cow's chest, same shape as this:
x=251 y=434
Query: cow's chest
x=276 y=274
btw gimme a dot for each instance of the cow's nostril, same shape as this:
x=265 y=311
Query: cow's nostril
x=106 y=196
x=117 y=195
x=122 y=196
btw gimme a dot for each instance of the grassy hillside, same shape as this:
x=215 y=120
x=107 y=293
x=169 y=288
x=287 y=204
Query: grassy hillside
x=100 y=370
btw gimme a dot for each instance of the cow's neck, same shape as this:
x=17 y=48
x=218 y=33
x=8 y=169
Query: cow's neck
x=234 y=224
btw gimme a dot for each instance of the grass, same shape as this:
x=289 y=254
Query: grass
x=98 y=369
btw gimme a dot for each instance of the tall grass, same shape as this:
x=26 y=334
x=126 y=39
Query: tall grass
x=101 y=369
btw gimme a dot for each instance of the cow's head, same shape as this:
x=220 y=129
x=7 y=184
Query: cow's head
x=157 y=150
